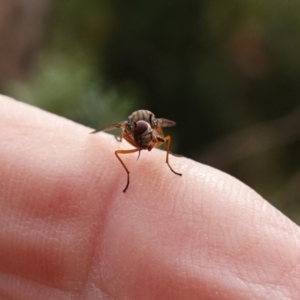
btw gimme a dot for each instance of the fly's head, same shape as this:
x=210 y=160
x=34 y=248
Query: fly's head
x=139 y=131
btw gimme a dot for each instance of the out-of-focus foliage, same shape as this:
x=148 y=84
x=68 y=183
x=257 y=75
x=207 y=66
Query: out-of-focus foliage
x=21 y=30
x=227 y=72
x=68 y=86
x=67 y=80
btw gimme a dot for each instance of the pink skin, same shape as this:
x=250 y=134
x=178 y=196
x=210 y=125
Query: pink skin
x=67 y=231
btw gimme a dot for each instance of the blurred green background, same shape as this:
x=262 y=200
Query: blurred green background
x=227 y=72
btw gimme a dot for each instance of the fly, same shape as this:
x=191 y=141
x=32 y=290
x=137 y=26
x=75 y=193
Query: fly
x=143 y=131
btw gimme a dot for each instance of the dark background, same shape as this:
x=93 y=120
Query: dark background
x=227 y=72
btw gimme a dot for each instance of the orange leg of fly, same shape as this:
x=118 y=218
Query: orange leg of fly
x=117 y=152
x=168 y=143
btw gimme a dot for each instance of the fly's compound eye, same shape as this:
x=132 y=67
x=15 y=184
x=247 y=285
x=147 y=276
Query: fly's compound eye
x=141 y=127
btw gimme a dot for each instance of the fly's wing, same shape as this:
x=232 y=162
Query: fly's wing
x=110 y=127
x=162 y=123
x=166 y=123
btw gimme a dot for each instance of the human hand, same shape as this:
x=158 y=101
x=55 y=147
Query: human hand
x=67 y=231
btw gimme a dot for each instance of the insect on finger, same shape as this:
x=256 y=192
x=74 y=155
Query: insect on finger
x=143 y=131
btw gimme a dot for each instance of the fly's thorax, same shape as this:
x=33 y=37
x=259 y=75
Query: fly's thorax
x=143 y=115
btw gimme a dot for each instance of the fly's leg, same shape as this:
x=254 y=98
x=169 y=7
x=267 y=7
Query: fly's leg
x=119 y=138
x=168 y=143
x=117 y=152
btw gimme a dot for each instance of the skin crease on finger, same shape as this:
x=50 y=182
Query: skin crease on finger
x=67 y=231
